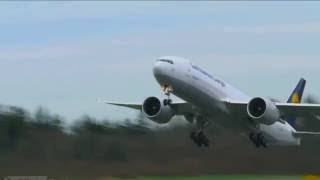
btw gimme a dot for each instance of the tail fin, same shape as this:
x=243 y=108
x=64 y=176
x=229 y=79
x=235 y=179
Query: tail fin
x=296 y=97
x=297 y=93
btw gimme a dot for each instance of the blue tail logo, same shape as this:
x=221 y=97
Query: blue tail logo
x=296 y=97
x=297 y=93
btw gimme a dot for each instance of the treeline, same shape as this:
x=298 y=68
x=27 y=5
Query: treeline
x=45 y=136
x=41 y=143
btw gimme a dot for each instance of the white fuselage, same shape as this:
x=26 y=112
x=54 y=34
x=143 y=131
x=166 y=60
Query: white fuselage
x=208 y=94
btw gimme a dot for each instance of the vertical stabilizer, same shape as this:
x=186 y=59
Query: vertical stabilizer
x=297 y=93
x=296 y=97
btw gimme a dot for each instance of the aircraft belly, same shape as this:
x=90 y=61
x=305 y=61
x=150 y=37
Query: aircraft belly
x=203 y=98
x=198 y=95
x=209 y=106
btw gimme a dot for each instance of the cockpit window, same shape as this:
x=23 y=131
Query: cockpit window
x=166 y=60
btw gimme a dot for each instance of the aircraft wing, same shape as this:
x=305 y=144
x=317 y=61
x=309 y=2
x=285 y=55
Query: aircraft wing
x=180 y=108
x=128 y=105
x=299 y=110
x=286 y=109
x=306 y=133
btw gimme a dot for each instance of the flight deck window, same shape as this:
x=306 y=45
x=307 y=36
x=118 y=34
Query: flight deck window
x=166 y=60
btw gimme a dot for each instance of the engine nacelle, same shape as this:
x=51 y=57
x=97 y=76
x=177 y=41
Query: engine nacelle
x=263 y=110
x=154 y=109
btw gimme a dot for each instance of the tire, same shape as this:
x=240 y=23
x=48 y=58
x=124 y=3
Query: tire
x=199 y=143
x=261 y=141
x=206 y=143
x=264 y=144
x=195 y=138
x=203 y=139
x=251 y=137
x=165 y=102
x=257 y=144
x=193 y=135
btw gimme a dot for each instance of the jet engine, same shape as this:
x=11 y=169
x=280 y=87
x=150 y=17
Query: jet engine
x=155 y=110
x=263 y=111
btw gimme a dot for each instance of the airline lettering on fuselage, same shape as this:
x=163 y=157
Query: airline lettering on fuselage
x=208 y=75
x=220 y=82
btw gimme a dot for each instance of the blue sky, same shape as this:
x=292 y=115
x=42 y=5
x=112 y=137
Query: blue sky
x=66 y=55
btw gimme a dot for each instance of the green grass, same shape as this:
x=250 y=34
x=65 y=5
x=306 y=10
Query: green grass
x=214 y=177
x=225 y=177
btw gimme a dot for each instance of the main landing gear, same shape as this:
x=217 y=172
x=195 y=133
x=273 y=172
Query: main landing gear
x=258 y=139
x=198 y=137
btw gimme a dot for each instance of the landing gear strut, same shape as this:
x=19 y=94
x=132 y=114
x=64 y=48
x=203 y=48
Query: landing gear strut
x=167 y=91
x=258 y=139
x=198 y=137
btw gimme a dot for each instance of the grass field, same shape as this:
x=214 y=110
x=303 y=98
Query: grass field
x=221 y=177
x=214 y=177
x=228 y=177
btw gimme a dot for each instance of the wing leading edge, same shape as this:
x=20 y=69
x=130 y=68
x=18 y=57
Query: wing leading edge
x=128 y=105
x=180 y=108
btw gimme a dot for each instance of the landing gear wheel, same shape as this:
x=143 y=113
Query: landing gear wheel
x=194 y=137
x=203 y=139
x=200 y=138
x=257 y=144
x=253 y=139
x=258 y=140
x=261 y=140
x=167 y=101
x=167 y=91
x=251 y=136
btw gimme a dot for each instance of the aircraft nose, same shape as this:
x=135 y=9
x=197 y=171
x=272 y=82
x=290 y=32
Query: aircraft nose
x=157 y=69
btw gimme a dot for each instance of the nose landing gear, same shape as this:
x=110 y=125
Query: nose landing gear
x=167 y=89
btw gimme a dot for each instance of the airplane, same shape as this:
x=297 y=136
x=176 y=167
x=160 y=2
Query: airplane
x=209 y=99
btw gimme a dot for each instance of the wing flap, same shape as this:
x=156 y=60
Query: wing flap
x=299 y=110
x=239 y=107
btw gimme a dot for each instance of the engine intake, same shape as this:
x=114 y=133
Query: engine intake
x=154 y=109
x=152 y=106
x=257 y=107
x=263 y=110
